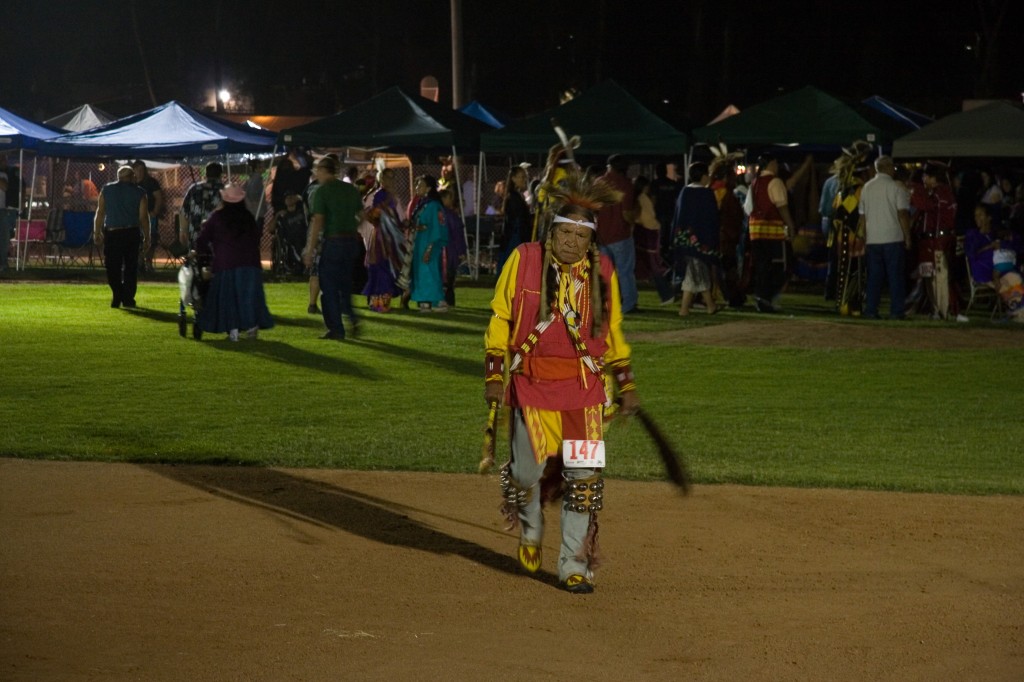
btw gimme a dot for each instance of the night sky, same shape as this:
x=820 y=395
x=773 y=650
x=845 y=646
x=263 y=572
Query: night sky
x=685 y=60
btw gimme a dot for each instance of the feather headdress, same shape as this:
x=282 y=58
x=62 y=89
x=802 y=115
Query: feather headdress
x=580 y=193
x=854 y=157
x=577 y=189
x=723 y=160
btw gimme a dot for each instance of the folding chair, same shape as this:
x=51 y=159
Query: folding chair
x=983 y=292
x=77 y=228
x=31 y=234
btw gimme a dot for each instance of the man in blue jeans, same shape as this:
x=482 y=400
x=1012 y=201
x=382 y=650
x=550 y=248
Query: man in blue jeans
x=337 y=211
x=8 y=211
x=8 y=219
x=885 y=227
x=615 y=231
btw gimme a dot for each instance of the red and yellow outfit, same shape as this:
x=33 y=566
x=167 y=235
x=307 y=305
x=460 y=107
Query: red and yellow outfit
x=556 y=389
x=552 y=384
x=765 y=219
x=934 y=228
x=768 y=247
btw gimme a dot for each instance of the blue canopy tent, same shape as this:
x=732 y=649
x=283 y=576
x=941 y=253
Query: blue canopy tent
x=898 y=112
x=171 y=130
x=485 y=114
x=19 y=134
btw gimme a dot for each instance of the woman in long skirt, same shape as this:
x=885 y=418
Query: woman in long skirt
x=235 y=300
x=384 y=253
x=431 y=237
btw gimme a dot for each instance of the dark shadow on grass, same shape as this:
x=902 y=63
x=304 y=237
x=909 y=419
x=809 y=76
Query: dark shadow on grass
x=330 y=506
x=279 y=351
x=444 y=362
x=433 y=322
x=159 y=315
x=308 y=322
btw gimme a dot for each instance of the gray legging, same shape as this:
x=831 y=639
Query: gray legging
x=526 y=472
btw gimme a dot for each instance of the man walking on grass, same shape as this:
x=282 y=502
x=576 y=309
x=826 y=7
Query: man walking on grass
x=337 y=211
x=121 y=225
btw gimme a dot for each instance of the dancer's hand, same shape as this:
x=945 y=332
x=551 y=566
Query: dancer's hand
x=493 y=392
x=629 y=403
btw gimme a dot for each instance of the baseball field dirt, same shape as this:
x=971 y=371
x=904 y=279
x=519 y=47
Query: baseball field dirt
x=157 y=572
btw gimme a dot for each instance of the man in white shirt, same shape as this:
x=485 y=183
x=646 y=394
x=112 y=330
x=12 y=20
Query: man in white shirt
x=885 y=227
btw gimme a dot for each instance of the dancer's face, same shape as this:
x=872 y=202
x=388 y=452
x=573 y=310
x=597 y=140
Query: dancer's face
x=571 y=242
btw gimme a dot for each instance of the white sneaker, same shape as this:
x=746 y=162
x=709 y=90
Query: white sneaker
x=962 y=318
x=252 y=333
x=233 y=335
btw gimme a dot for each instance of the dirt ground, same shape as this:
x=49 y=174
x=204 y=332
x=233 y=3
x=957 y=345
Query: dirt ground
x=132 y=572
x=851 y=335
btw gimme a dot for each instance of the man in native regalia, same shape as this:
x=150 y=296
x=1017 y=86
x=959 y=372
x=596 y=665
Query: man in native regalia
x=852 y=170
x=730 y=222
x=771 y=227
x=556 y=332
x=934 y=229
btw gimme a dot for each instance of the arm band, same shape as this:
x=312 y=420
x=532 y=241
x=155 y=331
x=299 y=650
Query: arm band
x=494 y=368
x=624 y=377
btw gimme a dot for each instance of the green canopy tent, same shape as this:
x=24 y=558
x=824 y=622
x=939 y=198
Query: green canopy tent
x=391 y=120
x=608 y=120
x=808 y=118
x=994 y=129
x=397 y=122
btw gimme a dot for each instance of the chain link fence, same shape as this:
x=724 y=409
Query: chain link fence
x=66 y=188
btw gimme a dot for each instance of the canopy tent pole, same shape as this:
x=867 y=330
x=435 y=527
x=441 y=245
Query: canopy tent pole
x=31 y=198
x=32 y=187
x=259 y=206
x=67 y=167
x=227 y=166
x=476 y=200
x=458 y=189
x=18 y=262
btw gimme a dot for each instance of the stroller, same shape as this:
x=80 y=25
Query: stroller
x=193 y=285
x=289 y=240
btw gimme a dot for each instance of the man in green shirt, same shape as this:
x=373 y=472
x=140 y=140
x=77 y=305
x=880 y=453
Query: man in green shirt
x=337 y=211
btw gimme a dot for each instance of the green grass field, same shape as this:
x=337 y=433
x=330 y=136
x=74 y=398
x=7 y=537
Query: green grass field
x=81 y=381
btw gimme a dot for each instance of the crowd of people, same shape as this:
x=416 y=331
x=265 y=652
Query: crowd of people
x=921 y=229
x=722 y=237
x=725 y=238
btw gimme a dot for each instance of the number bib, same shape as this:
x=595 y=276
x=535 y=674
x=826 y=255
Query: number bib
x=583 y=454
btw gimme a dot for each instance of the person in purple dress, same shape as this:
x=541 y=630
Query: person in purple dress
x=455 y=249
x=384 y=253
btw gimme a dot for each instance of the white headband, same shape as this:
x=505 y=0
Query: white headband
x=581 y=223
